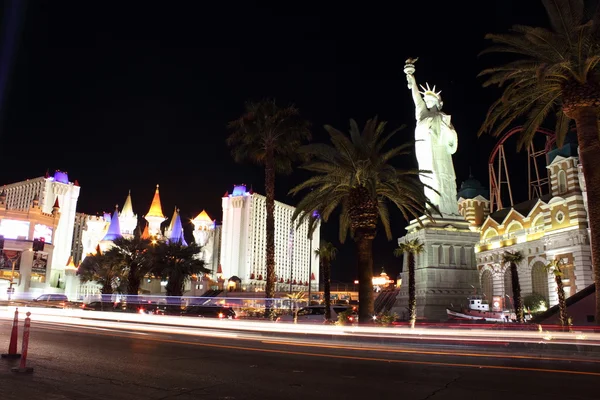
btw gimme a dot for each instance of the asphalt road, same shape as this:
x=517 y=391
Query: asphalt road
x=111 y=363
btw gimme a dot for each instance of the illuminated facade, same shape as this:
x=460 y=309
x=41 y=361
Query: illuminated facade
x=243 y=244
x=32 y=270
x=49 y=190
x=553 y=226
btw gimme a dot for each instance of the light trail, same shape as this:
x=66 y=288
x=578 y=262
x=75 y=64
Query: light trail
x=168 y=324
x=356 y=358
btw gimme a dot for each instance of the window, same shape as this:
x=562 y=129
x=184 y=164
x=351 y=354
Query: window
x=562 y=182
x=487 y=284
x=539 y=280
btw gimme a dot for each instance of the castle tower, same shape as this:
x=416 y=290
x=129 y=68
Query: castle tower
x=127 y=219
x=176 y=234
x=114 y=231
x=203 y=227
x=473 y=203
x=155 y=215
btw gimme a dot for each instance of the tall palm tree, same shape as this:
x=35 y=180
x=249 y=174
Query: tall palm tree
x=103 y=269
x=136 y=258
x=513 y=260
x=327 y=253
x=555 y=74
x=411 y=248
x=355 y=175
x=555 y=268
x=176 y=263
x=268 y=135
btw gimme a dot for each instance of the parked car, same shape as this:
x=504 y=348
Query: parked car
x=209 y=312
x=52 y=300
x=316 y=314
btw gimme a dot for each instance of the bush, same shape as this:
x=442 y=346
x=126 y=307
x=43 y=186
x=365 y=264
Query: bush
x=386 y=318
x=535 y=302
x=344 y=318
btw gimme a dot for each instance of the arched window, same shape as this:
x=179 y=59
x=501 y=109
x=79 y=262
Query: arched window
x=514 y=227
x=441 y=254
x=451 y=260
x=490 y=233
x=463 y=256
x=562 y=181
x=539 y=280
x=487 y=285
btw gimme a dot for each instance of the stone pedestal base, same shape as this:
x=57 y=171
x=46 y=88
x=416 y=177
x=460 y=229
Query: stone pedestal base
x=445 y=273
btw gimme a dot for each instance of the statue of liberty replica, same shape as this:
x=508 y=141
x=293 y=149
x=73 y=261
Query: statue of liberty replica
x=436 y=141
x=445 y=271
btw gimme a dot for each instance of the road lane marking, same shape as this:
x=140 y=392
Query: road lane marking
x=355 y=358
x=426 y=352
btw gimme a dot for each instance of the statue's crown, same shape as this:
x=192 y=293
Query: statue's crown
x=427 y=91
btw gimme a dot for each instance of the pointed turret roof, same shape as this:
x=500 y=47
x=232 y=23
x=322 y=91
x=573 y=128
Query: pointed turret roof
x=202 y=217
x=177 y=230
x=155 y=207
x=146 y=233
x=56 y=205
x=114 y=230
x=70 y=263
x=127 y=210
x=173 y=218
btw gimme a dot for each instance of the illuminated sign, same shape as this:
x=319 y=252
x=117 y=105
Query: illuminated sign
x=42 y=231
x=13 y=229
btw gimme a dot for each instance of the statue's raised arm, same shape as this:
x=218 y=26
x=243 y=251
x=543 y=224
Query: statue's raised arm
x=409 y=70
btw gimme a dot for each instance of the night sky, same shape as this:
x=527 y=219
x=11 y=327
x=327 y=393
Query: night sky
x=125 y=95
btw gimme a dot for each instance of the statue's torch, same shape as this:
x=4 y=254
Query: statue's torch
x=409 y=68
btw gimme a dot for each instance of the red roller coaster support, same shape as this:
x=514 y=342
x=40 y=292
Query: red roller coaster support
x=23 y=365
x=14 y=334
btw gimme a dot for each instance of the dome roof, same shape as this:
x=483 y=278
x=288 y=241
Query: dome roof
x=472 y=188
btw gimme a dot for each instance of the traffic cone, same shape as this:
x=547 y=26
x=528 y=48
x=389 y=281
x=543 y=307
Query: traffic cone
x=23 y=364
x=12 y=346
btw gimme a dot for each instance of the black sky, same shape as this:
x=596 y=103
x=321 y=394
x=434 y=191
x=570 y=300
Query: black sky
x=125 y=95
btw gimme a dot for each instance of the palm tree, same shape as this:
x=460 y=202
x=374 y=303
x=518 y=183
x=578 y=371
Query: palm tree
x=513 y=260
x=176 y=263
x=294 y=299
x=555 y=75
x=268 y=136
x=136 y=257
x=412 y=248
x=555 y=267
x=327 y=253
x=354 y=174
x=103 y=269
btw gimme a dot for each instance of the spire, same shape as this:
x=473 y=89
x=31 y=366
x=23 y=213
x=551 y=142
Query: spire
x=202 y=217
x=177 y=230
x=114 y=229
x=47 y=174
x=76 y=183
x=56 y=205
x=146 y=233
x=98 y=250
x=127 y=210
x=175 y=214
x=70 y=263
x=155 y=207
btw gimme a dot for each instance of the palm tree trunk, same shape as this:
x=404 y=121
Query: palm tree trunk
x=562 y=302
x=516 y=291
x=412 y=296
x=327 y=290
x=270 y=228
x=586 y=121
x=364 y=244
x=133 y=281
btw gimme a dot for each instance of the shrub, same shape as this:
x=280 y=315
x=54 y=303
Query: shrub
x=535 y=302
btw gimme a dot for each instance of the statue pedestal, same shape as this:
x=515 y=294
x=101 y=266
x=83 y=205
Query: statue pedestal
x=446 y=271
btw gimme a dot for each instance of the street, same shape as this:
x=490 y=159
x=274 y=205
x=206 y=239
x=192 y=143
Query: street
x=75 y=362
